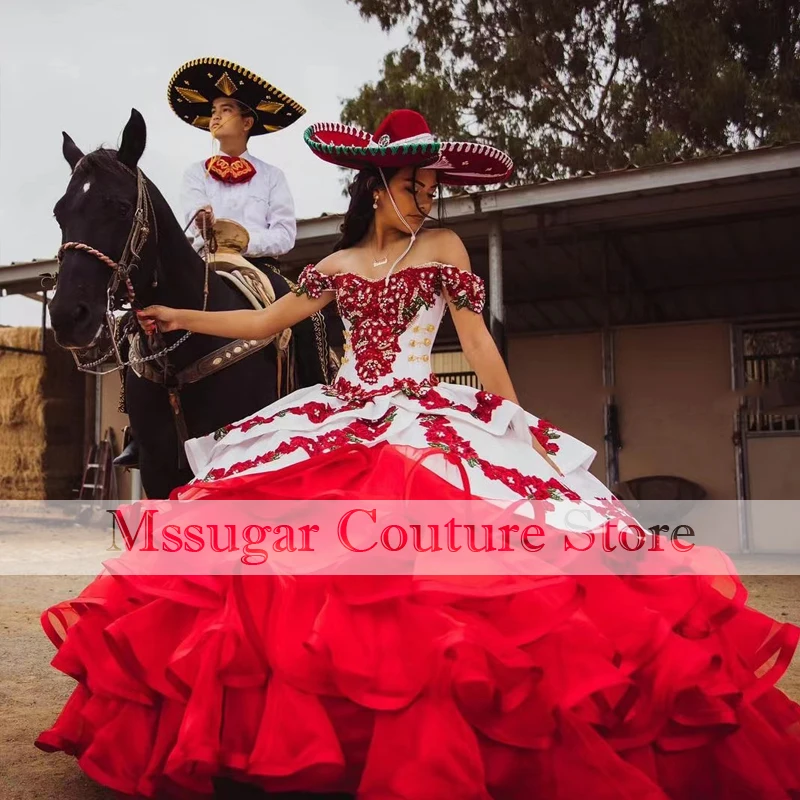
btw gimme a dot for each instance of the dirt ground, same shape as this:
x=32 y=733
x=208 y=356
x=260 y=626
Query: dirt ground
x=32 y=693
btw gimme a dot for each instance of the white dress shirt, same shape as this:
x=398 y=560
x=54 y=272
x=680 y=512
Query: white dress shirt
x=263 y=205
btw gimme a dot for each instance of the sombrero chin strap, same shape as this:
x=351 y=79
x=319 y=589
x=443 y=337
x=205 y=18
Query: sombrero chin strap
x=215 y=145
x=405 y=222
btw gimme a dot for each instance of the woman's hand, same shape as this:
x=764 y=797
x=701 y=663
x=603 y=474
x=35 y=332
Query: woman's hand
x=161 y=318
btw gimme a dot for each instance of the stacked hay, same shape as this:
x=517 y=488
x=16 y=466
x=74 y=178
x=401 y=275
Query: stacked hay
x=41 y=419
x=22 y=434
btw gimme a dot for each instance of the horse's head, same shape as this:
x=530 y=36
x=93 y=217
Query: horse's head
x=96 y=213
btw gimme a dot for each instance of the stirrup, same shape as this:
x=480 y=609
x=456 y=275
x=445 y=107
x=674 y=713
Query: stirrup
x=129 y=457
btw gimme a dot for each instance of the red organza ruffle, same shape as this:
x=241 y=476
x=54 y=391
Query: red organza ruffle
x=395 y=688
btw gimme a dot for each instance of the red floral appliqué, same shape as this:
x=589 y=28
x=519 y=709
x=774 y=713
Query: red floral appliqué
x=314 y=411
x=485 y=404
x=544 y=433
x=357 y=432
x=312 y=283
x=356 y=396
x=356 y=393
x=440 y=433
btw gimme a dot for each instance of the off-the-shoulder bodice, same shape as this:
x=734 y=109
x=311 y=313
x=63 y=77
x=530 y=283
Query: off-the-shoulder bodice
x=390 y=324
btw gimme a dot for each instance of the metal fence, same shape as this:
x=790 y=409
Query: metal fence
x=460 y=378
x=767 y=368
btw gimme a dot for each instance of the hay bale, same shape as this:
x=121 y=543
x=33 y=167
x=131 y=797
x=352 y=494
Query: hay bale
x=42 y=400
x=21 y=403
x=26 y=338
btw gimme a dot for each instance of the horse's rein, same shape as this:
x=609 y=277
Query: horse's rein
x=129 y=260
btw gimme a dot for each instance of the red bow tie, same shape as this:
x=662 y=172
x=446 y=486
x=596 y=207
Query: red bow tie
x=230 y=169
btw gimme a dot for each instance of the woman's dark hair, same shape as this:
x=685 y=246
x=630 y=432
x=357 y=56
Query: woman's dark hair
x=359 y=214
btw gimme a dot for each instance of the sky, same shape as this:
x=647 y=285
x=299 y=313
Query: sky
x=80 y=66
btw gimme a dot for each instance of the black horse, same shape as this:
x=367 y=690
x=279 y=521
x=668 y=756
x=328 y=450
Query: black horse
x=106 y=200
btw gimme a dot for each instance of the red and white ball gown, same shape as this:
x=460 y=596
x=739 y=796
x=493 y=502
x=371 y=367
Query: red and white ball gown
x=547 y=687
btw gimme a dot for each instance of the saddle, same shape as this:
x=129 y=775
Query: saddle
x=232 y=240
x=229 y=263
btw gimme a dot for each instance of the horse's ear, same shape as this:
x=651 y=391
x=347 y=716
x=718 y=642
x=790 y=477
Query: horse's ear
x=71 y=151
x=134 y=139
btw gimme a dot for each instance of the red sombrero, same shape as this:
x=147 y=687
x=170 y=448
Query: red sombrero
x=404 y=139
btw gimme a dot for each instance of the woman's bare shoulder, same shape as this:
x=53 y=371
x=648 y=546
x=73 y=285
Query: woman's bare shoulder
x=446 y=247
x=335 y=263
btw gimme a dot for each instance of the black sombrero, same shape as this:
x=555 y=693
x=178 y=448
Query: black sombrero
x=196 y=84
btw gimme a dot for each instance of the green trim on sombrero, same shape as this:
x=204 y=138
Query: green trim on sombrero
x=404 y=139
x=363 y=156
x=197 y=83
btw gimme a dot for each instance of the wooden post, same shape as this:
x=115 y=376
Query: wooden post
x=44 y=321
x=610 y=408
x=610 y=411
x=89 y=406
x=496 y=305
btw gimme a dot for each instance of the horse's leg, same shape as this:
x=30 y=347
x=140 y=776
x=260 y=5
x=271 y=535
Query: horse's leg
x=153 y=425
x=159 y=475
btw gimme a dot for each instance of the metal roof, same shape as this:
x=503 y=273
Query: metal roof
x=26 y=276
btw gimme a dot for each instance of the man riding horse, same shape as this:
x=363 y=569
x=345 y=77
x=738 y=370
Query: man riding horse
x=234 y=186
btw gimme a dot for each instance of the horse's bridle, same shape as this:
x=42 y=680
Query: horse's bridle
x=121 y=272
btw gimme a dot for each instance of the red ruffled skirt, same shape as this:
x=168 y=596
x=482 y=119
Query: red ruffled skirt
x=398 y=688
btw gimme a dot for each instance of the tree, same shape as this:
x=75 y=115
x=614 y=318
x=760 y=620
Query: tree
x=570 y=86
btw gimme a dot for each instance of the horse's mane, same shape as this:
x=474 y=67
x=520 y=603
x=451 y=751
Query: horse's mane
x=104 y=158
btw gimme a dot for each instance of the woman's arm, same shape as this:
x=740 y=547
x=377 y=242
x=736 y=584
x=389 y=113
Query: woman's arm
x=476 y=342
x=243 y=324
x=482 y=353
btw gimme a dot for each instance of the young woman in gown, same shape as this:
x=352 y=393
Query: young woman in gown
x=557 y=688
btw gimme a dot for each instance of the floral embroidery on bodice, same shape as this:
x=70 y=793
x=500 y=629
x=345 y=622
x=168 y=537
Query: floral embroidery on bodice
x=390 y=325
